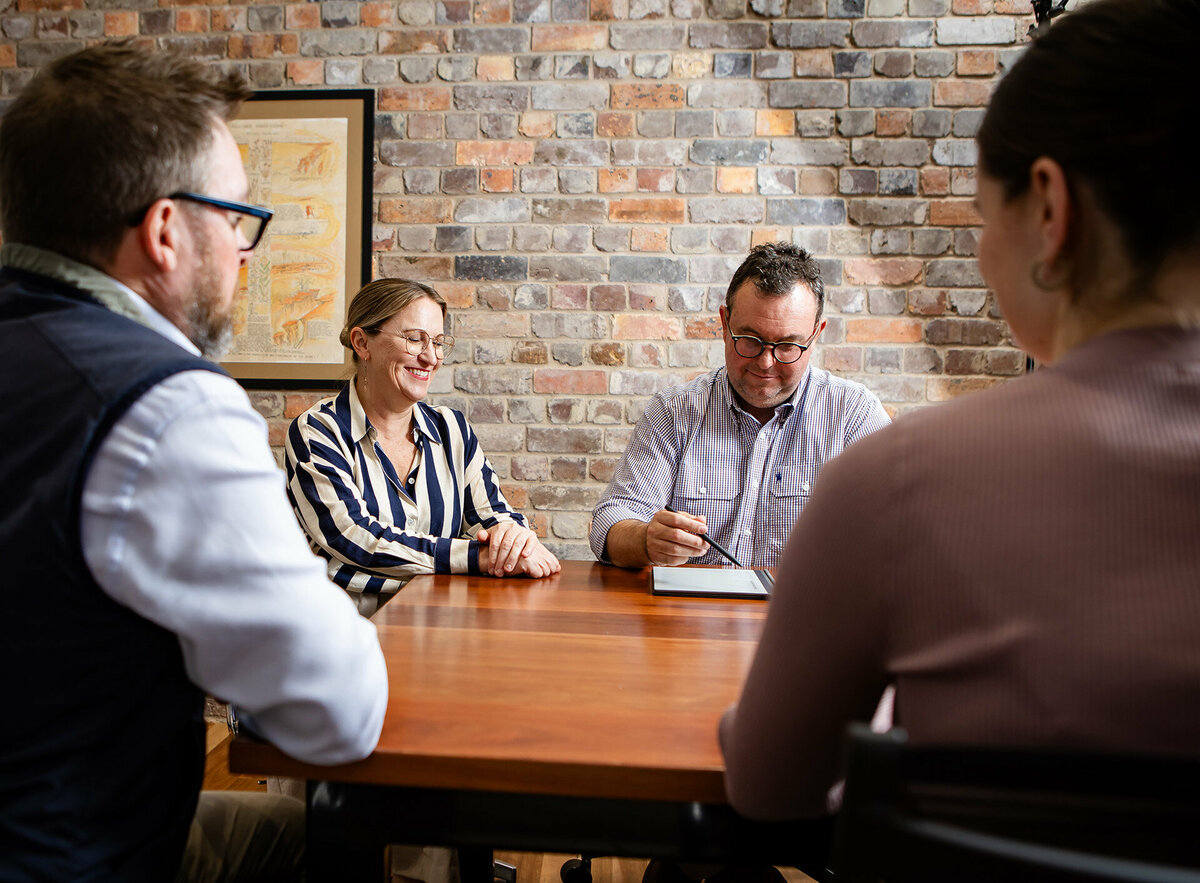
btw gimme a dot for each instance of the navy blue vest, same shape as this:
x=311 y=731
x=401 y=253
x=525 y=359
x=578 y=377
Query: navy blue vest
x=102 y=748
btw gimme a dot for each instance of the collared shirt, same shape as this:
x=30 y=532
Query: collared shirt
x=185 y=522
x=378 y=529
x=698 y=451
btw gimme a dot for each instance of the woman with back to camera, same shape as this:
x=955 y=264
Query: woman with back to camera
x=1024 y=563
x=386 y=486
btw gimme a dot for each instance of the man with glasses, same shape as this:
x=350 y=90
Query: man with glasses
x=150 y=553
x=735 y=452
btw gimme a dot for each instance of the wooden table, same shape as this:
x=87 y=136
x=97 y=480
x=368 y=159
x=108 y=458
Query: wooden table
x=575 y=713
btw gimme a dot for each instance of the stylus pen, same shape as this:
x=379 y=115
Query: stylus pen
x=710 y=541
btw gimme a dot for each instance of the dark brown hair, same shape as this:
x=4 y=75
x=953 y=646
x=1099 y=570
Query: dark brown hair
x=100 y=134
x=775 y=268
x=1108 y=92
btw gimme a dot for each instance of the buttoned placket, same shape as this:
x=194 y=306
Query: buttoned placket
x=761 y=441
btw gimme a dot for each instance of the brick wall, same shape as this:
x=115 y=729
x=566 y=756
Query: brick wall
x=580 y=179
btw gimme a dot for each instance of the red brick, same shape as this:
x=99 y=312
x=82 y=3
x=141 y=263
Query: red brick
x=874 y=330
x=431 y=270
x=48 y=5
x=414 y=210
x=191 y=21
x=407 y=42
x=927 y=301
x=646 y=327
x=814 y=63
x=976 y=62
x=648 y=210
x=576 y=381
x=953 y=213
x=375 y=15
x=302 y=17
x=935 y=181
x=296 y=403
x=762 y=235
x=609 y=298
x=493 y=153
x=841 y=358
x=529 y=352
x=536 y=124
x=492 y=12
x=940 y=389
x=569 y=38
x=497 y=180
x=656 y=180
x=309 y=72
x=230 y=19
x=892 y=122
x=709 y=329
x=645 y=297
x=736 y=180
x=569 y=297
x=961 y=93
x=648 y=95
x=617 y=180
x=614 y=125
x=774 y=122
x=8 y=55
x=425 y=126
x=653 y=239
x=495 y=67
x=120 y=24
x=458 y=295
x=881 y=271
x=414 y=98
x=603 y=469
x=607 y=354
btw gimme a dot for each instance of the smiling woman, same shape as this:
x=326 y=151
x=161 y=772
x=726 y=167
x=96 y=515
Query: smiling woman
x=386 y=486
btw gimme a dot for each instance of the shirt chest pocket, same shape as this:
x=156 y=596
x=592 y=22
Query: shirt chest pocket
x=788 y=494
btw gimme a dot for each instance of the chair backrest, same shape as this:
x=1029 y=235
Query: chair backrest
x=969 y=814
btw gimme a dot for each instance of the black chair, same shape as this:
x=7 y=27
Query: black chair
x=929 y=814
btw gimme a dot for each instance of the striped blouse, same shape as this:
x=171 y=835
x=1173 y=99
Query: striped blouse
x=374 y=528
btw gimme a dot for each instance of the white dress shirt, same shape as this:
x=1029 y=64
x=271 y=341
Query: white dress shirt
x=185 y=521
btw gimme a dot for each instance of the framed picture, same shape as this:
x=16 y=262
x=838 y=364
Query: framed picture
x=309 y=156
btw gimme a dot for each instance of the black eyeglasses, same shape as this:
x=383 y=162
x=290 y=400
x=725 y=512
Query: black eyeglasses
x=251 y=219
x=785 y=352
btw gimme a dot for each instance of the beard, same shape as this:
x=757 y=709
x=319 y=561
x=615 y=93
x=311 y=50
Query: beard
x=210 y=326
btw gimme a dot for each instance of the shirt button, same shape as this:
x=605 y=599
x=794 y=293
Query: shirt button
x=704 y=490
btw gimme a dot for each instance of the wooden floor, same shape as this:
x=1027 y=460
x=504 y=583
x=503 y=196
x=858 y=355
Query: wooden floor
x=532 y=867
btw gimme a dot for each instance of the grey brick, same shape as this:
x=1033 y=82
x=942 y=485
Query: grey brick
x=931 y=241
x=955 y=152
x=611 y=238
x=417 y=69
x=976 y=30
x=890 y=152
x=531 y=10
x=498 y=126
x=773 y=65
x=416 y=239
x=509 y=210
x=379 y=70
x=576 y=181
x=727 y=94
x=493 y=380
x=546 y=268
x=341 y=72
x=732 y=64
x=898 y=182
x=726 y=8
x=856 y=122
x=931 y=123
x=534 y=67
x=806 y=8
x=531 y=297
x=611 y=65
x=567 y=125
x=846 y=8
x=893 y=33
x=928 y=8
x=695 y=180
x=656 y=123
x=809 y=35
x=572 y=67
x=776 y=182
x=491 y=99
x=742 y=35
x=569 y=96
x=491 y=40
x=270 y=74
x=953 y=274
x=894 y=63
x=415 y=13
x=693 y=124
x=882 y=360
x=858 y=181
x=569 y=10
x=686 y=298
x=646 y=269
x=901 y=93
x=420 y=181
x=725 y=210
x=270 y=18
x=639 y=9
x=688 y=240
x=416 y=153
x=887 y=212
x=854 y=63
x=461 y=126
x=492 y=237
x=568 y=354
x=571 y=211
x=322 y=44
x=886 y=8
x=572 y=153
x=768 y=8
x=490 y=267
x=640 y=35
x=936 y=63
x=713 y=270
x=966 y=122
x=531 y=238
x=891 y=241
x=815 y=93
x=86 y=24
x=808 y=152
x=728 y=153
x=966 y=242
x=334 y=14
x=18 y=27
x=819 y=212
x=735 y=123
x=456 y=68
x=652 y=65
x=649 y=153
